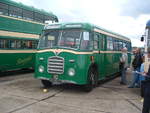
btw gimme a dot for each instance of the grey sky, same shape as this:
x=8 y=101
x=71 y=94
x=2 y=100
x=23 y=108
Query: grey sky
x=127 y=17
x=135 y=8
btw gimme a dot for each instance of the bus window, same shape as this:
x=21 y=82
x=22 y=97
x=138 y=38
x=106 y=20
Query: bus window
x=39 y=17
x=115 y=43
x=3 y=9
x=15 y=11
x=85 y=42
x=34 y=44
x=18 y=44
x=124 y=44
x=12 y=43
x=2 y=43
x=28 y=15
x=24 y=44
x=109 y=43
x=70 y=38
x=120 y=44
x=101 y=42
x=96 y=42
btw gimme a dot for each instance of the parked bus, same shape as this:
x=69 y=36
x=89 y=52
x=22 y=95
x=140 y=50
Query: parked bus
x=78 y=53
x=20 y=26
x=146 y=45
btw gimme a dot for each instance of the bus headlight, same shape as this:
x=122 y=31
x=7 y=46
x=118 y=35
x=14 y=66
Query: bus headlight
x=71 y=72
x=41 y=68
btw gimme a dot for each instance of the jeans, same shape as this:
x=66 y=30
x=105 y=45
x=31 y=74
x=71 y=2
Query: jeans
x=136 y=78
x=123 y=75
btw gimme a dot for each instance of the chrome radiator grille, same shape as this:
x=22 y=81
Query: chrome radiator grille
x=55 y=65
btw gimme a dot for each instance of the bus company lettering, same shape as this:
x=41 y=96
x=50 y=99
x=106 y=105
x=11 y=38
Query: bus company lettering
x=23 y=61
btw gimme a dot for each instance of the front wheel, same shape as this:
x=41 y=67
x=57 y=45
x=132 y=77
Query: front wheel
x=46 y=83
x=92 y=81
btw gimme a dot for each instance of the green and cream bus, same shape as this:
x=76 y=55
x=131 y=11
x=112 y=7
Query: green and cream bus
x=78 y=53
x=20 y=26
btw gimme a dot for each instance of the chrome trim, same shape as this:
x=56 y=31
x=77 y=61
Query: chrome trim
x=55 y=65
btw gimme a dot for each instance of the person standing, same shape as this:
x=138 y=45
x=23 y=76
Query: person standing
x=124 y=65
x=145 y=90
x=136 y=67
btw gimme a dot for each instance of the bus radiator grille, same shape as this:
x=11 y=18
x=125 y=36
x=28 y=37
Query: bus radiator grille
x=55 y=65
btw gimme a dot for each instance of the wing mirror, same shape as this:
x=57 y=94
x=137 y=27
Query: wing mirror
x=142 y=38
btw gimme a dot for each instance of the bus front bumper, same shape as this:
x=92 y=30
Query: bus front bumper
x=56 y=81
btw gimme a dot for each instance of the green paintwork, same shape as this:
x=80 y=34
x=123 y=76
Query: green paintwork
x=15 y=25
x=11 y=61
x=107 y=63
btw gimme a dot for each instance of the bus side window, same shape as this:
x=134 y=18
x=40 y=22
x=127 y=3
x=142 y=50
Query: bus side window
x=18 y=44
x=115 y=44
x=109 y=43
x=96 y=41
x=3 y=9
x=2 y=43
x=101 y=42
x=120 y=45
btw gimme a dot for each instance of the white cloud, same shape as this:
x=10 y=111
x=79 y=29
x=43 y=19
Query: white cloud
x=105 y=13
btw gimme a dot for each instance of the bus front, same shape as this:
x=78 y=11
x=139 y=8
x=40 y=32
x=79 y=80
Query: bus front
x=63 y=54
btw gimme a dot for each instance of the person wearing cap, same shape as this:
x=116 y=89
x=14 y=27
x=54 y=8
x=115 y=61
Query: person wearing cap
x=124 y=65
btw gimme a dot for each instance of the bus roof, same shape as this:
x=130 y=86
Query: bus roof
x=29 y=8
x=87 y=26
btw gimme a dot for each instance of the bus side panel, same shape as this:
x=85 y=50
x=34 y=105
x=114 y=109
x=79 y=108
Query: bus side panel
x=11 y=61
x=9 y=24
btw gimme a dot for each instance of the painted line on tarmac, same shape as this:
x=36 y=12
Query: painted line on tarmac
x=36 y=101
x=134 y=105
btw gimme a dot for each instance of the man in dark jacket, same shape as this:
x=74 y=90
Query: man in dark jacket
x=145 y=91
x=136 y=66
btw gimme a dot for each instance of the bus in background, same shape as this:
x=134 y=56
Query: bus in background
x=146 y=39
x=78 y=53
x=20 y=27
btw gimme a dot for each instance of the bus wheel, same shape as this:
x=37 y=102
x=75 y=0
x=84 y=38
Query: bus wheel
x=46 y=83
x=91 y=81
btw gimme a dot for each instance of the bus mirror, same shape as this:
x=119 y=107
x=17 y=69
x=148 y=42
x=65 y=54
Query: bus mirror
x=142 y=38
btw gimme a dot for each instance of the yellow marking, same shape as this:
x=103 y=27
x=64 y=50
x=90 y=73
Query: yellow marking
x=112 y=35
x=18 y=51
x=22 y=19
x=17 y=34
x=75 y=52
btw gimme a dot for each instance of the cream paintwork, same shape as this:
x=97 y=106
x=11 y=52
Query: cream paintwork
x=17 y=34
x=18 y=51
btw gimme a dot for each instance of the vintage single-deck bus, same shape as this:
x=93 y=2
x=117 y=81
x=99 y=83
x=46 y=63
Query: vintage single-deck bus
x=78 y=53
x=20 y=26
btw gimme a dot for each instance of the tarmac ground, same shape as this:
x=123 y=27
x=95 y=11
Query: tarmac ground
x=22 y=93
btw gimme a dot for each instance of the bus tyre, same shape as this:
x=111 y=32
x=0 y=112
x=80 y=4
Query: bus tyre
x=92 y=82
x=46 y=83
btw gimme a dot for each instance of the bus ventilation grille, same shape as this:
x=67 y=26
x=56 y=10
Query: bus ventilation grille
x=56 y=65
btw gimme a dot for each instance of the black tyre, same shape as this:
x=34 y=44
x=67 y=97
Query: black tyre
x=92 y=80
x=46 y=83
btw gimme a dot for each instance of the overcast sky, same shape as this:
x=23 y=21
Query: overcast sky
x=127 y=17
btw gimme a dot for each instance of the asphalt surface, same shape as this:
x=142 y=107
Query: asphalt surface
x=21 y=93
